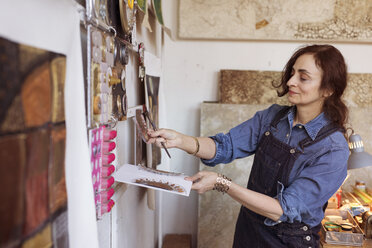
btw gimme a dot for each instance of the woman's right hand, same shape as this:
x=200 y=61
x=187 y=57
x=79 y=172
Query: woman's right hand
x=169 y=137
x=202 y=147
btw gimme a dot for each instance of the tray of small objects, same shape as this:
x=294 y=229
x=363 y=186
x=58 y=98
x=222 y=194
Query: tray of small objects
x=339 y=231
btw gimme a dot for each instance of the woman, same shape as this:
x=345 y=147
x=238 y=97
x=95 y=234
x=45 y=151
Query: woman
x=300 y=154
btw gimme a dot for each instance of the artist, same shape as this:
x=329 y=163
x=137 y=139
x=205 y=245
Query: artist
x=300 y=154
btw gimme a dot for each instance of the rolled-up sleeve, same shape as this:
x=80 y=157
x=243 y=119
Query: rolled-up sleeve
x=312 y=188
x=223 y=150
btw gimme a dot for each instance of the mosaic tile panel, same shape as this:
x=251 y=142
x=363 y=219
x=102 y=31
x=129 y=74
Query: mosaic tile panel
x=341 y=20
x=255 y=87
x=359 y=90
x=249 y=87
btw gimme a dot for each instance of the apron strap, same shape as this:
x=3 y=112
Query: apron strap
x=324 y=132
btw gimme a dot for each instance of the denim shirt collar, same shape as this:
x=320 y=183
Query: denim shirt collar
x=312 y=127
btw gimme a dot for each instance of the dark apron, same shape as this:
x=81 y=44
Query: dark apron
x=273 y=162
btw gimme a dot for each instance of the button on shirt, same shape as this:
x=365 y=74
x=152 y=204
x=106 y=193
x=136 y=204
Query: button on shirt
x=317 y=173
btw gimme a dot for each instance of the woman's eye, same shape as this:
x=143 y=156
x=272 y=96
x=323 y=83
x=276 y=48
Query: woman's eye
x=304 y=78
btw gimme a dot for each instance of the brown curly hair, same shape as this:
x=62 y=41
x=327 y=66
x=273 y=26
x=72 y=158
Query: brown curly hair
x=334 y=79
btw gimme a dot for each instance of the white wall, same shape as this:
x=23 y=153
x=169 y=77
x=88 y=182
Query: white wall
x=191 y=76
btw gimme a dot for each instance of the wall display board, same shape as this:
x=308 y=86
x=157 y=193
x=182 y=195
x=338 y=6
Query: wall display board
x=326 y=20
x=110 y=35
x=32 y=142
x=106 y=105
x=107 y=97
x=112 y=81
x=110 y=56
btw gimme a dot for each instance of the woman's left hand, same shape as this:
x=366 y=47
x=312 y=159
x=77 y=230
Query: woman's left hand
x=203 y=181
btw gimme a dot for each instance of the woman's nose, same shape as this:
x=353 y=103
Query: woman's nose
x=292 y=81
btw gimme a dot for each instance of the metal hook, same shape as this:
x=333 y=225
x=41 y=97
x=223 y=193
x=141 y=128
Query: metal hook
x=113 y=123
x=112 y=29
x=96 y=22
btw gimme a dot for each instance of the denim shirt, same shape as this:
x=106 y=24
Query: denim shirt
x=317 y=173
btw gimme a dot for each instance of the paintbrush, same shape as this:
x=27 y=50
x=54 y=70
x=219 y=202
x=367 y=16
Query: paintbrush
x=147 y=115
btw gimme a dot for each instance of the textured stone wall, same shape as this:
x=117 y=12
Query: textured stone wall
x=218 y=212
x=249 y=87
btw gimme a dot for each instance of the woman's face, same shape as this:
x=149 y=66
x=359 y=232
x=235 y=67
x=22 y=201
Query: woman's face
x=304 y=84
